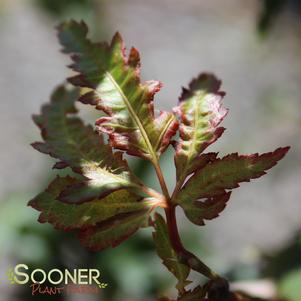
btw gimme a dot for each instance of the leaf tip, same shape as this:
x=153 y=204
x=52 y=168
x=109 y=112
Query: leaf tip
x=134 y=59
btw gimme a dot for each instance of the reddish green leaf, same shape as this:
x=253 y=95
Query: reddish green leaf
x=100 y=223
x=79 y=216
x=210 y=208
x=212 y=181
x=79 y=147
x=200 y=111
x=166 y=252
x=110 y=81
x=115 y=88
x=112 y=232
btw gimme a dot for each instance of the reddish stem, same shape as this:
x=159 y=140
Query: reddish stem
x=185 y=256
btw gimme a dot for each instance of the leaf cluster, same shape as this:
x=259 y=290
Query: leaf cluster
x=102 y=200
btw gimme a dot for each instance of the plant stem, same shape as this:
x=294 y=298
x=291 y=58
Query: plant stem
x=153 y=193
x=186 y=257
x=177 y=188
x=161 y=180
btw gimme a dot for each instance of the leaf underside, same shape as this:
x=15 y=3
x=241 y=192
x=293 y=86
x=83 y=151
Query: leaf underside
x=114 y=87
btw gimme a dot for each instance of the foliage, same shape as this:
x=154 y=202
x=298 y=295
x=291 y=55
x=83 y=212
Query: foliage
x=290 y=285
x=102 y=200
x=271 y=9
x=58 y=7
x=166 y=252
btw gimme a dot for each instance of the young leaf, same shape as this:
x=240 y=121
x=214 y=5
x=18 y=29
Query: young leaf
x=121 y=213
x=116 y=89
x=111 y=82
x=200 y=111
x=212 y=181
x=77 y=216
x=79 y=147
x=112 y=232
x=167 y=253
x=199 y=211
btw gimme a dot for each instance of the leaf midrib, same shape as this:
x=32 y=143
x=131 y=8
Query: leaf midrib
x=192 y=145
x=135 y=117
x=164 y=131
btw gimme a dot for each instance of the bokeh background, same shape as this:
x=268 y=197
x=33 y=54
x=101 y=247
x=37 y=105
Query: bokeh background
x=253 y=46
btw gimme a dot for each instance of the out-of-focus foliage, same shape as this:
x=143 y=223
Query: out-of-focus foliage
x=290 y=286
x=58 y=8
x=285 y=267
x=278 y=264
x=272 y=8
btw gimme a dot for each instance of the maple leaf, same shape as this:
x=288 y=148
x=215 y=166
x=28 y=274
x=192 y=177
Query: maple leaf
x=103 y=201
x=166 y=252
x=200 y=111
x=205 y=194
x=213 y=180
x=77 y=146
x=115 y=87
x=112 y=232
x=117 y=213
